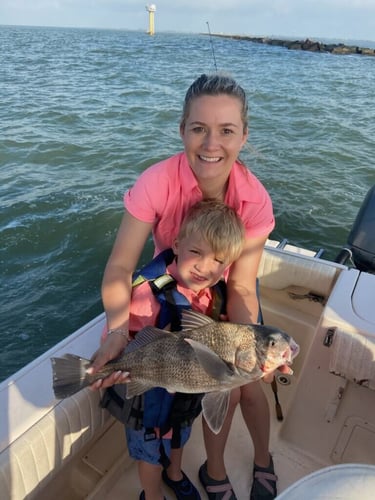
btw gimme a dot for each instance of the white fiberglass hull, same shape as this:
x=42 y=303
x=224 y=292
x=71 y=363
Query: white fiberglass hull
x=73 y=449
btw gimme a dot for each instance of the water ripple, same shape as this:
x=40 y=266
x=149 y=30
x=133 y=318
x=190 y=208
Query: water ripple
x=83 y=112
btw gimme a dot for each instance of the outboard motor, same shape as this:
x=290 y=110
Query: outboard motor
x=361 y=239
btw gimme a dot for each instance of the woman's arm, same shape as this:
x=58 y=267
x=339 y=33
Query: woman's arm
x=243 y=306
x=117 y=288
x=117 y=279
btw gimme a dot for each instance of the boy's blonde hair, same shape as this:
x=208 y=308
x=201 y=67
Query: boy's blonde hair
x=218 y=225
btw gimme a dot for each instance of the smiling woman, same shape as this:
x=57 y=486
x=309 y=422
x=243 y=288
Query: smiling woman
x=213 y=129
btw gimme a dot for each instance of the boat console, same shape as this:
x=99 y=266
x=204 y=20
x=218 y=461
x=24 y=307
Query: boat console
x=333 y=409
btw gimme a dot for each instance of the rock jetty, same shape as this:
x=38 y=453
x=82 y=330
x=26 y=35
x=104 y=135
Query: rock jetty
x=309 y=45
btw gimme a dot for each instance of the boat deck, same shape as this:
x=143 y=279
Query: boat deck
x=71 y=450
x=290 y=463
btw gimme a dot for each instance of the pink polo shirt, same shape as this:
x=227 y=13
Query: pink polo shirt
x=165 y=191
x=144 y=307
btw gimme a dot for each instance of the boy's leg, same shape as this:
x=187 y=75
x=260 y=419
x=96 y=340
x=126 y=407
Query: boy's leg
x=147 y=454
x=150 y=478
x=174 y=469
x=173 y=476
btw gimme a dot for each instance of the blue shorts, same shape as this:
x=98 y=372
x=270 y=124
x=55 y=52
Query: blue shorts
x=149 y=451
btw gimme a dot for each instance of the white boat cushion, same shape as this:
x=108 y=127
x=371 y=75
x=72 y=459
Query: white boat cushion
x=353 y=357
x=38 y=454
x=279 y=270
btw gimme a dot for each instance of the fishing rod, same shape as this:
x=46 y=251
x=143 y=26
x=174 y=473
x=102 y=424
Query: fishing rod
x=212 y=45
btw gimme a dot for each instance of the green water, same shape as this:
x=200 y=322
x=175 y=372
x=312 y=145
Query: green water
x=83 y=112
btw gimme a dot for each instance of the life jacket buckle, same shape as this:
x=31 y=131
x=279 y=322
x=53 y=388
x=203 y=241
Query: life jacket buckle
x=150 y=434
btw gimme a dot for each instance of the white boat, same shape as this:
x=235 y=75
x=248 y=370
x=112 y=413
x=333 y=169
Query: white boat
x=324 y=445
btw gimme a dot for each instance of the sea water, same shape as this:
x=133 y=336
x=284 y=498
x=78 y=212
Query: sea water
x=84 y=111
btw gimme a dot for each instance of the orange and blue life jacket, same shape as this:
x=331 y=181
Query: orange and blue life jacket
x=157 y=408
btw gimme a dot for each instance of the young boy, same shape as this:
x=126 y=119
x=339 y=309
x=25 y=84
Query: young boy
x=210 y=239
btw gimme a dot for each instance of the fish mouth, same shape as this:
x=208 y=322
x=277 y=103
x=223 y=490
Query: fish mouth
x=290 y=354
x=285 y=359
x=294 y=350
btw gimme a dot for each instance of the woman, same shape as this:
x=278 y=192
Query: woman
x=213 y=129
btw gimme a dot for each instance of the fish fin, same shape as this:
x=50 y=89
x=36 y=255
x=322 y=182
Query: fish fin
x=134 y=388
x=193 y=319
x=69 y=375
x=215 y=408
x=211 y=362
x=146 y=336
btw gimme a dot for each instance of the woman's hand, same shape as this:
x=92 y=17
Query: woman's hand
x=283 y=369
x=111 y=348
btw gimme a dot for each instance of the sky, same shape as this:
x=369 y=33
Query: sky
x=296 y=19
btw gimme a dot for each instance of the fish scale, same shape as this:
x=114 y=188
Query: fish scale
x=205 y=357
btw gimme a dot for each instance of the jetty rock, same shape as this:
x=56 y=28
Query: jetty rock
x=307 y=44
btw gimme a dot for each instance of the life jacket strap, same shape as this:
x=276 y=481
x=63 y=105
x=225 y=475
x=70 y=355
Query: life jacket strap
x=180 y=409
x=159 y=283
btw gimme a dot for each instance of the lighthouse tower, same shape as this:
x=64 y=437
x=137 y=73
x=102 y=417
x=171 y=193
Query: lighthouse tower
x=151 y=18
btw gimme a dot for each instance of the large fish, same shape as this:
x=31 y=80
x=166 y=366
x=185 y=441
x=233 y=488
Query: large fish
x=205 y=357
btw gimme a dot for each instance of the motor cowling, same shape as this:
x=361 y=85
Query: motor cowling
x=361 y=239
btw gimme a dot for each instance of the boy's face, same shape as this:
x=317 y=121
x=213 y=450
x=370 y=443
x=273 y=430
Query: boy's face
x=197 y=265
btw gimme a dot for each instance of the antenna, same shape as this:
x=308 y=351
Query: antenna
x=212 y=45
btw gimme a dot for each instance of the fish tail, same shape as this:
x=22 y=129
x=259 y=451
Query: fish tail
x=69 y=375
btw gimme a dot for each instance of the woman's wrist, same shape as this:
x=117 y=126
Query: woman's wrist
x=119 y=331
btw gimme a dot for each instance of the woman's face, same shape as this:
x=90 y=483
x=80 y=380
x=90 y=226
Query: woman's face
x=213 y=136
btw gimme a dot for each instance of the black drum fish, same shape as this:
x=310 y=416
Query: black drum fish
x=207 y=356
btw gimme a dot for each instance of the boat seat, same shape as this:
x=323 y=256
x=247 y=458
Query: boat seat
x=36 y=456
x=279 y=270
x=340 y=482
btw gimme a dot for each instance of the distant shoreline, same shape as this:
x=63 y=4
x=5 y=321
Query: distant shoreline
x=307 y=44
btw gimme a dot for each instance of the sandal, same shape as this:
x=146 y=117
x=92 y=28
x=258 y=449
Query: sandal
x=216 y=490
x=142 y=496
x=264 y=483
x=184 y=489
